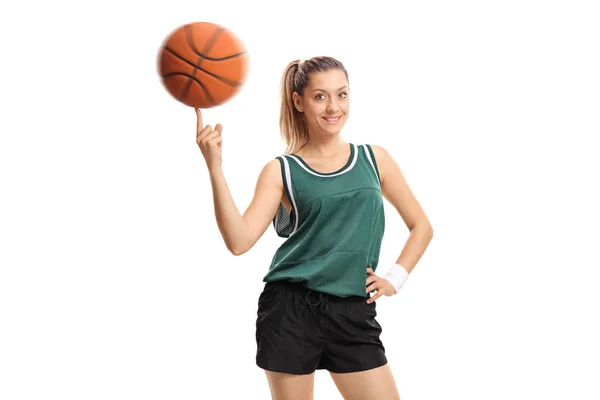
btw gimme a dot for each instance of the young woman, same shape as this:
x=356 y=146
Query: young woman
x=326 y=197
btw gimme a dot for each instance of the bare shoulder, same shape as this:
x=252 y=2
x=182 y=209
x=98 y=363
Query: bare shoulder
x=270 y=176
x=272 y=171
x=378 y=149
x=383 y=159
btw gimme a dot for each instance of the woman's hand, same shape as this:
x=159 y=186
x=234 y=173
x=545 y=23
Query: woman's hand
x=381 y=285
x=209 y=140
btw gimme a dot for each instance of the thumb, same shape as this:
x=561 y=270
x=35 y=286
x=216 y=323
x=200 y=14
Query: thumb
x=219 y=128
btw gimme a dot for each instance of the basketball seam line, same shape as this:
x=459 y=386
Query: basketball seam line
x=188 y=75
x=224 y=80
x=209 y=44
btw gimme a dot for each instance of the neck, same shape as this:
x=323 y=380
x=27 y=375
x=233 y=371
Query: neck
x=323 y=146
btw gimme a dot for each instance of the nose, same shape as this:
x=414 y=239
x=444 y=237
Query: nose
x=332 y=107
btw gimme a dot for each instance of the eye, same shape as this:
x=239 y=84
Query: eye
x=343 y=95
x=320 y=96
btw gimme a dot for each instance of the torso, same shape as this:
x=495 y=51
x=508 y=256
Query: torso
x=333 y=221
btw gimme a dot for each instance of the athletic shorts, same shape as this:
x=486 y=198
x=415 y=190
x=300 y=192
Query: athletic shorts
x=299 y=330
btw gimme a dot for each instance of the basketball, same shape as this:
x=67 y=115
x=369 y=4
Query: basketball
x=202 y=64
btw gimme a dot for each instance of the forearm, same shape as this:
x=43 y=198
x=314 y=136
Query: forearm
x=415 y=246
x=231 y=224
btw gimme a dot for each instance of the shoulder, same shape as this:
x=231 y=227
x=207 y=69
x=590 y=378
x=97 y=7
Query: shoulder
x=272 y=168
x=382 y=157
x=379 y=151
x=271 y=172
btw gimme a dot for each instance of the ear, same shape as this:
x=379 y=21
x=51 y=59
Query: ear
x=298 y=102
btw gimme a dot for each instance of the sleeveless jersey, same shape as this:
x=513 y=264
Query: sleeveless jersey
x=335 y=226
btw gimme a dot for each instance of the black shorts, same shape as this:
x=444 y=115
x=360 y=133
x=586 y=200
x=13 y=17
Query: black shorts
x=299 y=330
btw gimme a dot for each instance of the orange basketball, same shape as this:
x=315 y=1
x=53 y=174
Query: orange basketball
x=202 y=64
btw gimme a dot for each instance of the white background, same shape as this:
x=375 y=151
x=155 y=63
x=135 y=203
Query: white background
x=116 y=284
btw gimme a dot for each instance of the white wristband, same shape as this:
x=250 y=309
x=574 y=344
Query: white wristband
x=397 y=275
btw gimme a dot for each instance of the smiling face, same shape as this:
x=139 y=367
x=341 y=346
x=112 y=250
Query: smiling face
x=325 y=101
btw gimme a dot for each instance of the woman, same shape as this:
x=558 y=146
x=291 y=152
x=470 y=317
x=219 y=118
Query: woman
x=326 y=197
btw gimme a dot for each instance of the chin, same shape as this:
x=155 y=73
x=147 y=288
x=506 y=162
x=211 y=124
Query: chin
x=334 y=129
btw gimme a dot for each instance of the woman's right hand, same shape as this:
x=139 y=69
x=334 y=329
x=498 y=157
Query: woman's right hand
x=209 y=140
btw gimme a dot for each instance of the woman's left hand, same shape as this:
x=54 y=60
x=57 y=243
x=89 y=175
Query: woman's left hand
x=382 y=286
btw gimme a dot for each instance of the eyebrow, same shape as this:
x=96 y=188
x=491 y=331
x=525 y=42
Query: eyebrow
x=323 y=90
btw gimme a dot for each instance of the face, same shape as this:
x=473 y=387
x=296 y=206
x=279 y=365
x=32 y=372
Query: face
x=325 y=101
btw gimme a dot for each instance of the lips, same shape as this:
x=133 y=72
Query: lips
x=332 y=120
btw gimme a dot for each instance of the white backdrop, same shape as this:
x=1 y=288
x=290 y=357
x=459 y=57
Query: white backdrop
x=116 y=284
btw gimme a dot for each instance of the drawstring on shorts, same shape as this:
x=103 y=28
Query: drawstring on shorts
x=321 y=300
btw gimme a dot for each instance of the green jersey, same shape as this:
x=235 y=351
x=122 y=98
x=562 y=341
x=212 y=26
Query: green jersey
x=335 y=226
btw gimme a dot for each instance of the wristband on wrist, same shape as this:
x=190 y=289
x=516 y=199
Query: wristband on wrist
x=397 y=275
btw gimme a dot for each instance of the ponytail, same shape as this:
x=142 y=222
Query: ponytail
x=291 y=121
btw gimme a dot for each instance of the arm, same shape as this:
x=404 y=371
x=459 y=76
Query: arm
x=396 y=190
x=240 y=233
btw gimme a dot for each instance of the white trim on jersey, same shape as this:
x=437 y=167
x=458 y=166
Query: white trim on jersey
x=329 y=176
x=288 y=178
x=364 y=146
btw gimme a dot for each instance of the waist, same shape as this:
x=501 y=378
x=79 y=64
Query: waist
x=305 y=292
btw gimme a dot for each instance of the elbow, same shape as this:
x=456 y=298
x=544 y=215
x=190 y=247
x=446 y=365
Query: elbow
x=430 y=230
x=237 y=250
x=424 y=226
x=239 y=246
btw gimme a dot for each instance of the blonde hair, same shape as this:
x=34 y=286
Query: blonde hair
x=292 y=123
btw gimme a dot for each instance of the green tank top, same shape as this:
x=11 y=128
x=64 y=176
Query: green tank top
x=334 y=228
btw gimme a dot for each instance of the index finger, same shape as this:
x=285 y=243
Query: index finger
x=199 y=124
